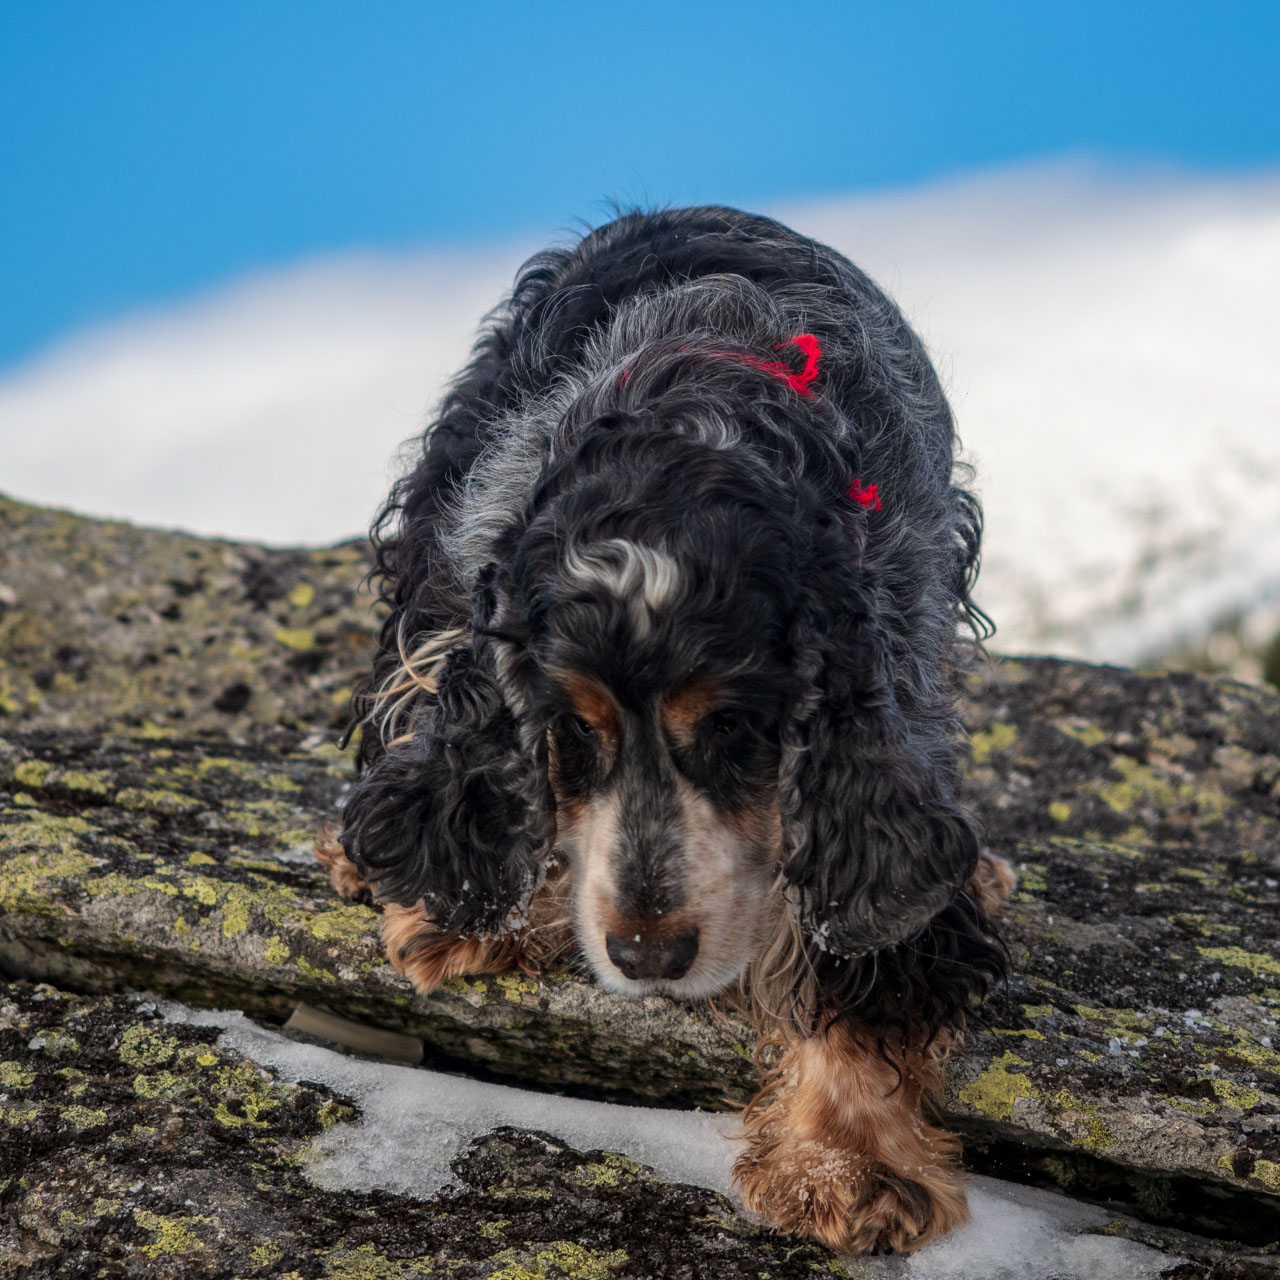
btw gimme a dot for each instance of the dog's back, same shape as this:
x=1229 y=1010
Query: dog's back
x=926 y=539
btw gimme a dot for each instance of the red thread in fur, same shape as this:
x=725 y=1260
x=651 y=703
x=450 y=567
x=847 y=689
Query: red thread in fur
x=868 y=497
x=798 y=382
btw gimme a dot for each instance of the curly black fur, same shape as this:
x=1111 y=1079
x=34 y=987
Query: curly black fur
x=614 y=396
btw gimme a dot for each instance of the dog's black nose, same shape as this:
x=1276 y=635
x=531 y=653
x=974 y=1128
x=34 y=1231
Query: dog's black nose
x=640 y=956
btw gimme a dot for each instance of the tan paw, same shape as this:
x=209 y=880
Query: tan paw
x=846 y=1201
x=343 y=874
x=993 y=880
x=428 y=956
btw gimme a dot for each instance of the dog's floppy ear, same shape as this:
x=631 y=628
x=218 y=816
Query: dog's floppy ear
x=460 y=815
x=874 y=842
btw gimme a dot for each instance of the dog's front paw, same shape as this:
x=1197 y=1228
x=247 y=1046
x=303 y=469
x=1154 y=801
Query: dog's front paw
x=847 y=1201
x=344 y=875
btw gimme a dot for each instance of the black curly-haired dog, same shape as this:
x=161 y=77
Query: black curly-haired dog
x=668 y=678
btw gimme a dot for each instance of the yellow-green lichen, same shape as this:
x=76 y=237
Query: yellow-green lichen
x=1059 y=810
x=351 y=923
x=253 y=1095
x=13 y=1075
x=1078 y=1115
x=246 y=770
x=276 y=951
x=613 y=1171
x=314 y=971
x=56 y=1043
x=79 y=1117
x=365 y=1262
x=84 y=781
x=1089 y=734
x=145 y=1046
x=551 y=1261
x=332 y=1112
x=19 y=1117
x=1142 y=786
x=1000 y=737
x=31 y=773
x=299 y=639
x=514 y=987
x=157 y=800
x=172 y=1235
x=1192 y=1106
x=998 y=1089
x=40 y=848
x=473 y=990
x=1031 y=881
x=237 y=908
x=1199 y=922
x=1255 y=961
x=266 y=1255
x=158 y=1084
x=1235 y=1095
x=302 y=595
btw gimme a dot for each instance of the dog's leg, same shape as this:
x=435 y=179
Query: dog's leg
x=993 y=880
x=343 y=874
x=839 y=1150
x=428 y=956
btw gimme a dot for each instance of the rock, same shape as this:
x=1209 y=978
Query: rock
x=107 y=626
x=1139 y=1031
x=185 y=866
x=150 y=839
x=134 y=1147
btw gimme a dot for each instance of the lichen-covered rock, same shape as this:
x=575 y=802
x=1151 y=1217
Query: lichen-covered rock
x=130 y=1146
x=1140 y=1027
x=105 y=626
x=185 y=867
x=149 y=838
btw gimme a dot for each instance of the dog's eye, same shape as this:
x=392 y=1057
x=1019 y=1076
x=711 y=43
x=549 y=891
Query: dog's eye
x=582 y=728
x=726 y=723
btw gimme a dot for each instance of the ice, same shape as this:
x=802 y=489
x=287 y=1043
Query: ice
x=1022 y=1233
x=413 y=1122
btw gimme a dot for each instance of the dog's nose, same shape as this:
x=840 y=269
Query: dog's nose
x=639 y=956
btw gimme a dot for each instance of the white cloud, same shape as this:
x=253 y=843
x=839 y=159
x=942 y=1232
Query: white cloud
x=1109 y=345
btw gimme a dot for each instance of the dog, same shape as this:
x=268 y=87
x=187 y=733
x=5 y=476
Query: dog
x=676 y=591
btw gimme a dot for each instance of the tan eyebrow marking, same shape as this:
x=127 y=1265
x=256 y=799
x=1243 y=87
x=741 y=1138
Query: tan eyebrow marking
x=683 y=707
x=593 y=702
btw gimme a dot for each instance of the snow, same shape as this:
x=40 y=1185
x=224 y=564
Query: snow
x=1108 y=342
x=413 y=1122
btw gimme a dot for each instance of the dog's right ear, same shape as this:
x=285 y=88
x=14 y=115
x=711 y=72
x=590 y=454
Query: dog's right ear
x=459 y=817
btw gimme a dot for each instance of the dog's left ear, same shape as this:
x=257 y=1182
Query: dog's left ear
x=459 y=817
x=874 y=842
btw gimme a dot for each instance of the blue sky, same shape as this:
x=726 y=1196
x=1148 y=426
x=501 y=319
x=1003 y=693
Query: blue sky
x=152 y=149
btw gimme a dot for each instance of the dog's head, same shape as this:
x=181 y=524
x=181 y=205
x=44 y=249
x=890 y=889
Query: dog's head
x=681 y=677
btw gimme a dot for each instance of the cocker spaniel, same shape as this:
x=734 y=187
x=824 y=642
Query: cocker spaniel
x=667 y=682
